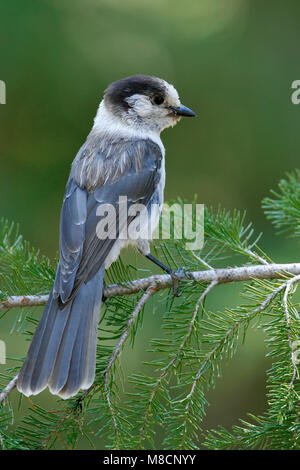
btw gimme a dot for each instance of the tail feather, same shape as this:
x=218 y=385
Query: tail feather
x=47 y=354
x=76 y=371
x=71 y=364
x=81 y=362
x=37 y=349
x=89 y=371
x=62 y=354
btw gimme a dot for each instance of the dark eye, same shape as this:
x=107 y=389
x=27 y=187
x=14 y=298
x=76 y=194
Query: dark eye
x=158 y=99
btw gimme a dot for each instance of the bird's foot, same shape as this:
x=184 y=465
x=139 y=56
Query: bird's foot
x=176 y=277
x=104 y=298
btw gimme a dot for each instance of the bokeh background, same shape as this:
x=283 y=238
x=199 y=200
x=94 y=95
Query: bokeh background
x=233 y=62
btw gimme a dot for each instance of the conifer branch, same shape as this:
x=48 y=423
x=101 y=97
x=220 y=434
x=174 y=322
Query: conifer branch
x=193 y=350
x=121 y=341
x=117 y=350
x=157 y=282
x=173 y=360
x=208 y=361
x=164 y=281
x=23 y=301
x=289 y=283
x=9 y=387
x=2 y=442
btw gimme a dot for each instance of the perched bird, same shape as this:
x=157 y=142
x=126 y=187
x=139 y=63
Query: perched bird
x=122 y=158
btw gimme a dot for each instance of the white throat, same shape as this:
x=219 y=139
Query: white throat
x=108 y=124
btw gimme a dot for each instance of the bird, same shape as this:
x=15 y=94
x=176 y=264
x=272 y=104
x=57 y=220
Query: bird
x=123 y=158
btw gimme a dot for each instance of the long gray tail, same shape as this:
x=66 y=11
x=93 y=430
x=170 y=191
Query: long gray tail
x=62 y=354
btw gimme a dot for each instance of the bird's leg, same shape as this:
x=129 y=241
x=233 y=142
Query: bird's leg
x=168 y=270
x=103 y=296
x=144 y=248
x=160 y=264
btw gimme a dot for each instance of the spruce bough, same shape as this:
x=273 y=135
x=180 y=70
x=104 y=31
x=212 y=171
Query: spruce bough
x=163 y=405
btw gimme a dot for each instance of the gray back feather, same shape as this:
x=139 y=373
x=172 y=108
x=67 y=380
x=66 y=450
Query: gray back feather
x=100 y=174
x=106 y=159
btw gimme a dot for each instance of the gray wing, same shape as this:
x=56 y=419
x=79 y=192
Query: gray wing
x=82 y=253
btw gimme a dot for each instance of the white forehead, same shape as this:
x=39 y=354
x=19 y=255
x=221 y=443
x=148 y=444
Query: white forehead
x=171 y=94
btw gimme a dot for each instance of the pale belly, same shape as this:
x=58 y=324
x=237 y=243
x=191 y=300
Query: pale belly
x=139 y=232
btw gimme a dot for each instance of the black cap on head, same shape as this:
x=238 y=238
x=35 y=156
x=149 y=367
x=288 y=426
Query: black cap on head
x=117 y=92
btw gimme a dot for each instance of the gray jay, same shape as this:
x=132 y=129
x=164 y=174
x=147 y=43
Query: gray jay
x=123 y=156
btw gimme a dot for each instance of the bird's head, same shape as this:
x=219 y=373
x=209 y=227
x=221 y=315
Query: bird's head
x=143 y=102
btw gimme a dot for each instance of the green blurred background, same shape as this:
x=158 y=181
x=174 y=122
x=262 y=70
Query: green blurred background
x=233 y=62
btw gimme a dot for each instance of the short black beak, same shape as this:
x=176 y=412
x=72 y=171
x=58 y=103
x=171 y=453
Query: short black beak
x=183 y=111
